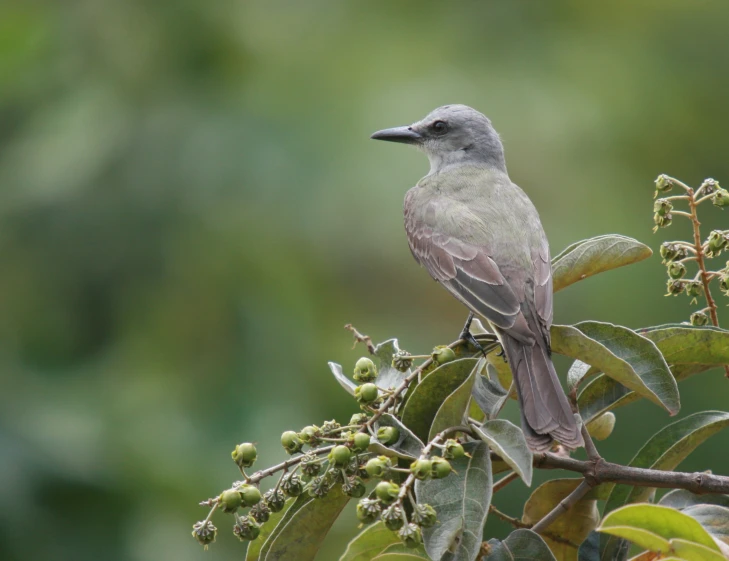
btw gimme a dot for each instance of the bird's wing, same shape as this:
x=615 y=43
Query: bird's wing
x=543 y=292
x=471 y=275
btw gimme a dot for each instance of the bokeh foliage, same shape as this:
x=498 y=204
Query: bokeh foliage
x=190 y=210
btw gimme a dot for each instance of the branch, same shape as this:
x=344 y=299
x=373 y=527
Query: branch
x=359 y=338
x=563 y=506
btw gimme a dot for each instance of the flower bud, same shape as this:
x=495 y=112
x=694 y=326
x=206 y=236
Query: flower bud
x=720 y=198
x=359 y=419
x=392 y=517
x=204 y=532
x=453 y=450
x=244 y=454
x=663 y=183
x=319 y=487
x=340 y=455
x=421 y=468
x=709 y=186
x=378 y=467
x=360 y=441
x=310 y=435
x=694 y=289
x=672 y=252
x=441 y=467
x=250 y=494
x=246 y=528
x=260 y=512
x=410 y=536
x=699 y=319
x=368 y=510
x=366 y=393
x=716 y=243
x=424 y=515
x=291 y=442
x=230 y=500
x=662 y=220
x=310 y=465
x=365 y=370
x=275 y=499
x=675 y=287
x=662 y=206
x=387 y=491
x=388 y=435
x=402 y=361
x=291 y=485
x=330 y=426
x=354 y=487
x=442 y=354
x=676 y=270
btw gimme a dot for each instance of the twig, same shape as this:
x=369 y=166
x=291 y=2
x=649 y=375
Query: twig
x=359 y=338
x=519 y=524
x=504 y=481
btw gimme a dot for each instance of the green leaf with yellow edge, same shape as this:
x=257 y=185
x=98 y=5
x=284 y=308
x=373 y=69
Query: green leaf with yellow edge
x=655 y=527
x=507 y=440
x=267 y=529
x=623 y=355
x=595 y=255
x=574 y=525
x=304 y=527
x=401 y=552
x=454 y=408
x=690 y=551
x=688 y=350
x=374 y=539
x=521 y=544
x=425 y=401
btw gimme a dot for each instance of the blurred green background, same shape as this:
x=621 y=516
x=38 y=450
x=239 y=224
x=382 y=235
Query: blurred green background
x=191 y=209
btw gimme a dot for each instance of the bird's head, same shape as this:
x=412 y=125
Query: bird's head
x=451 y=135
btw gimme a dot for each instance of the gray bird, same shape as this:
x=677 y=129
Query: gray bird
x=479 y=235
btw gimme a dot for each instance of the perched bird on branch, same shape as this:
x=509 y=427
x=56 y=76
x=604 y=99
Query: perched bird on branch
x=479 y=235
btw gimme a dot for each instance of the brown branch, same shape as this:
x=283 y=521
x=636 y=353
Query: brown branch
x=563 y=506
x=519 y=524
x=359 y=338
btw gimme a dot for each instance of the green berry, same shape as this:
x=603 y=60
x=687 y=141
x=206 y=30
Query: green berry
x=354 y=487
x=275 y=500
x=360 y=441
x=358 y=419
x=365 y=370
x=724 y=283
x=340 y=455
x=244 y=454
x=204 y=532
x=368 y=510
x=424 y=515
x=250 y=495
x=421 y=468
x=675 y=287
x=246 y=528
x=694 y=289
x=291 y=442
x=366 y=393
x=663 y=183
x=720 y=198
x=230 y=500
x=671 y=252
x=441 y=467
x=662 y=207
x=662 y=220
x=330 y=426
x=402 y=361
x=443 y=354
x=392 y=517
x=410 y=536
x=699 y=319
x=260 y=512
x=602 y=427
x=388 y=435
x=453 y=450
x=310 y=435
x=676 y=270
x=716 y=243
x=387 y=491
x=378 y=467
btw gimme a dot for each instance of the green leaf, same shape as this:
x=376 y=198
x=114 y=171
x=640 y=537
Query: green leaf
x=453 y=409
x=681 y=498
x=664 y=451
x=407 y=446
x=509 y=443
x=687 y=349
x=461 y=501
x=665 y=523
x=425 y=400
x=578 y=372
x=304 y=527
x=690 y=551
x=267 y=529
x=520 y=545
x=388 y=377
x=401 y=552
x=622 y=354
x=374 y=539
x=714 y=519
x=345 y=382
x=488 y=393
x=574 y=525
x=595 y=255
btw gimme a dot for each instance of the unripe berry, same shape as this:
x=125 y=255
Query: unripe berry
x=368 y=510
x=671 y=252
x=694 y=289
x=204 y=532
x=340 y=455
x=354 y=487
x=421 y=468
x=441 y=467
x=720 y=198
x=602 y=427
x=442 y=354
x=675 y=287
x=250 y=495
x=378 y=467
x=662 y=206
x=724 y=283
x=387 y=491
x=663 y=183
x=716 y=243
x=676 y=270
x=291 y=442
x=402 y=361
x=360 y=441
x=366 y=393
x=230 y=500
x=246 y=528
x=275 y=500
x=244 y=454
x=424 y=515
x=358 y=419
x=365 y=370
x=388 y=435
x=410 y=536
x=392 y=518
x=699 y=319
x=310 y=435
x=453 y=450
x=662 y=220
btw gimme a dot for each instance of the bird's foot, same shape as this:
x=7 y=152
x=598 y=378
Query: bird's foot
x=468 y=337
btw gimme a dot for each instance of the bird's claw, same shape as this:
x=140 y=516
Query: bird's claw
x=468 y=337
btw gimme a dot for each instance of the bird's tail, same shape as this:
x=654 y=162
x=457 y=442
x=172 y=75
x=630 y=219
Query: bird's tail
x=545 y=412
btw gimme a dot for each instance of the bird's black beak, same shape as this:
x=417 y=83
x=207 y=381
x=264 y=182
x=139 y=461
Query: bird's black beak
x=405 y=135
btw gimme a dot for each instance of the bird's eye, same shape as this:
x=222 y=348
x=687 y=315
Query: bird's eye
x=440 y=127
